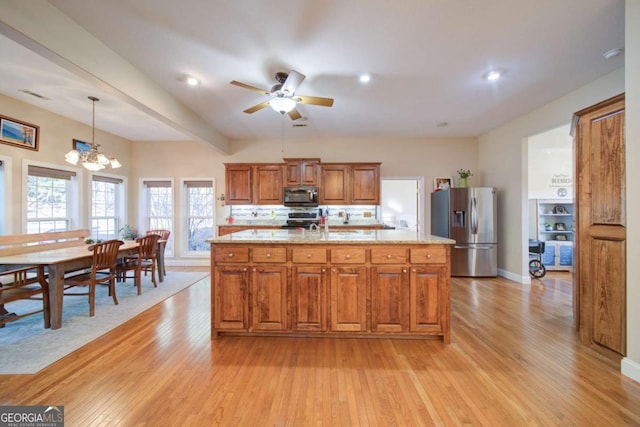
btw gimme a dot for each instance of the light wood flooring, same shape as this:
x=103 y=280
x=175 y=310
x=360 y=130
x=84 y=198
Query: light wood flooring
x=514 y=360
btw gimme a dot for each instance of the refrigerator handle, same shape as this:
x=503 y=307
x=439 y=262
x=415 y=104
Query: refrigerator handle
x=474 y=216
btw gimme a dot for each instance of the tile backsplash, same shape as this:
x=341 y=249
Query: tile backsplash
x=279 y=212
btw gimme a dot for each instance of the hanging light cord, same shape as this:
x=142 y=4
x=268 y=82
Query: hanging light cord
x=283 y=136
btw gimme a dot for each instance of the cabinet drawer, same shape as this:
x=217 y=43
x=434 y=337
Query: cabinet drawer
x=231 y=254
x=388 y=256
x=269 y=255
x=348 y=256
x=431 y=255
x=309 y=256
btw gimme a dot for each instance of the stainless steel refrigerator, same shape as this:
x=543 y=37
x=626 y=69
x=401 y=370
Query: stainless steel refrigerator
x=468 y=216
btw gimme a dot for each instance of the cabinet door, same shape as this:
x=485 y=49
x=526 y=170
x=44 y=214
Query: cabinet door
x=334 y=184
x=302 y=172
x=389 y=299
x=269 y=298
x=230 y=292
x=238 y=184
x=309 y=298
x=268 y=185
x=348 y=289
x=425 y=303
x=365 y=184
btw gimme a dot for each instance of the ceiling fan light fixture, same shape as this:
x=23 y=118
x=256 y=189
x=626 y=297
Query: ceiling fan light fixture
x=282 y=105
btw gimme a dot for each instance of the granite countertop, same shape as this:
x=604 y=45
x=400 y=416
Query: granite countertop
x=335 y=236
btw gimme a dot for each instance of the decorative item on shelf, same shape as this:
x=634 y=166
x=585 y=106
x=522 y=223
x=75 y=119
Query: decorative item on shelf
x=127 y=232
x=547 y=226
x=464 y=176
x=561 y=237
x=559 y=226
x=88 y=153
x=442 y=183
x=560 y=210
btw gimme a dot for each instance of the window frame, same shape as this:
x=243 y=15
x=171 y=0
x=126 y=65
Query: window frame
x=184 y=244
x=143 y=210
x=120 y=202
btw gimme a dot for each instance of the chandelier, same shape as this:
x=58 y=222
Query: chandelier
x=282 y=104
x=92 y=159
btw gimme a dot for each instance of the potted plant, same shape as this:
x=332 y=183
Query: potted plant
x=464 y=175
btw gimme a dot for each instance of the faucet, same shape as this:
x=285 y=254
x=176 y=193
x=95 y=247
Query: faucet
x=313 y=227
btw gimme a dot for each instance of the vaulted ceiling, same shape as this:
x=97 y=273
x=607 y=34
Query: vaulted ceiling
x=426 y=58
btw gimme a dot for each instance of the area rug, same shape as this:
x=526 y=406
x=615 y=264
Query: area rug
x=22 y=342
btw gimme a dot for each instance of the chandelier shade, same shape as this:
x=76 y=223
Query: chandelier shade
x=92 y=159
x=282 y=105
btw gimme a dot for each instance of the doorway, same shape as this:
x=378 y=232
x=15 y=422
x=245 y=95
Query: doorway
x=402 y=203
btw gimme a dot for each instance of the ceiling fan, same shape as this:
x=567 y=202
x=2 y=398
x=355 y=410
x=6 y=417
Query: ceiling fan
x=282 y=95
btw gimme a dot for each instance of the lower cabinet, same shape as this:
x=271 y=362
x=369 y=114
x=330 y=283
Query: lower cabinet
x=348 y=299
x=340 y=290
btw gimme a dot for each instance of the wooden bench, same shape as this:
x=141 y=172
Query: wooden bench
x=28 y=282
x=17 y=244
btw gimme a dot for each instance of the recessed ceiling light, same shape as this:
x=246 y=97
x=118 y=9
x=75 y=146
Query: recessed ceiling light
x=192 y=81
x=365 y=78
x=493 y=75
x=612 y=53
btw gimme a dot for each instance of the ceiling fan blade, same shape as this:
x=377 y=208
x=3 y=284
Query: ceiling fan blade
x=253 y=88
x=315 y=100
x=256 y=107
x=293 y=81
x=294 y=114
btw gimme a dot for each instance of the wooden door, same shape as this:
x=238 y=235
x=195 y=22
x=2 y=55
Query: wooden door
x=230 y=291
x=600 y=283
x=309 y=298
x=348 y=298
x=365 y=184
x=269 y=298
x=268 y=186
x=425 y=302
x=389 y=299
x=238 y=184
x=334 y=184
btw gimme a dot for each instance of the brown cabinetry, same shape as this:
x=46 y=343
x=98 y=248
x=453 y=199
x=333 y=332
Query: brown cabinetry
x=253 y=184
x=352 y=183
x=331 y=288
x=301 y=172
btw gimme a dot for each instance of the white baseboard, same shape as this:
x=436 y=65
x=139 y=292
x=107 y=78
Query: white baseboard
x=525 y=280
x=630 y=369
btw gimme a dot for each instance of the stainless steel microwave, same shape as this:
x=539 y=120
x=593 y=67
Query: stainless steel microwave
x=303 y=196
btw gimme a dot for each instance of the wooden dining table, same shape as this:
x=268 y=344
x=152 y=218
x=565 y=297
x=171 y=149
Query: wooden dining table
x=61 y=261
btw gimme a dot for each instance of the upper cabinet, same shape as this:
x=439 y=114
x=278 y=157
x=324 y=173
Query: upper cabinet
x=339 y=183
x=301 y=172
x=350 y=183
x=253 y=184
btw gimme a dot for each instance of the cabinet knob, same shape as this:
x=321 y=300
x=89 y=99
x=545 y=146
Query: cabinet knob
x=230 y=255
x=428 y=256
x=269 y=255
x=414 y=270
x=254 y=269
x=389 y=256
x=404 y=270
x=323 y=270
x=244 y=269
x=348 y=256
x=308 y=255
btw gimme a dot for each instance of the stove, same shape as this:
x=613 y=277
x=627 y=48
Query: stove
x=302 y=220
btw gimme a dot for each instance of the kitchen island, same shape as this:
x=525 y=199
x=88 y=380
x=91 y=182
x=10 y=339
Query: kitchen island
x=365 y=283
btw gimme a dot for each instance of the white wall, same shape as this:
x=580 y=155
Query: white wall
x=631 y=364
x=550 y=164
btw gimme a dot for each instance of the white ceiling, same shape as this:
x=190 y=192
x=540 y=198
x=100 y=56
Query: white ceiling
x=426 y=57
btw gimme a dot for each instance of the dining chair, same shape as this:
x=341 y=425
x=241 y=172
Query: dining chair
x=103 y=272
x=26 y=283
x=144 y=260
x=164 y=235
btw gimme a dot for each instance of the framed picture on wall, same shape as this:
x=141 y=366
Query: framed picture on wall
x=81 y=146
x=19 y=134
x=442 y=183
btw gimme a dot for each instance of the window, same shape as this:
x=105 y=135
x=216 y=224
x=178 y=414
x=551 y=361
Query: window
x=199 y=214
x=158 y=206
x=106 y=193
x=49 y=199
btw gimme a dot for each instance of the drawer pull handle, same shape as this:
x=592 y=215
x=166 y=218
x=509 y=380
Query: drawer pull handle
x=389 y=256
x=428 y=256
x=269 y=255
x=230 y=255
x=348 y=256
x=308 y=255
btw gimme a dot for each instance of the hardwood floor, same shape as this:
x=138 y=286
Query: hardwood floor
x=514 y=360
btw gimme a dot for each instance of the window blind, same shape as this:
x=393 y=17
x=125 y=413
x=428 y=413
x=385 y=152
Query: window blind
x=201 y=184
x=157 y=183
x=50 y=173
x=107 y=179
